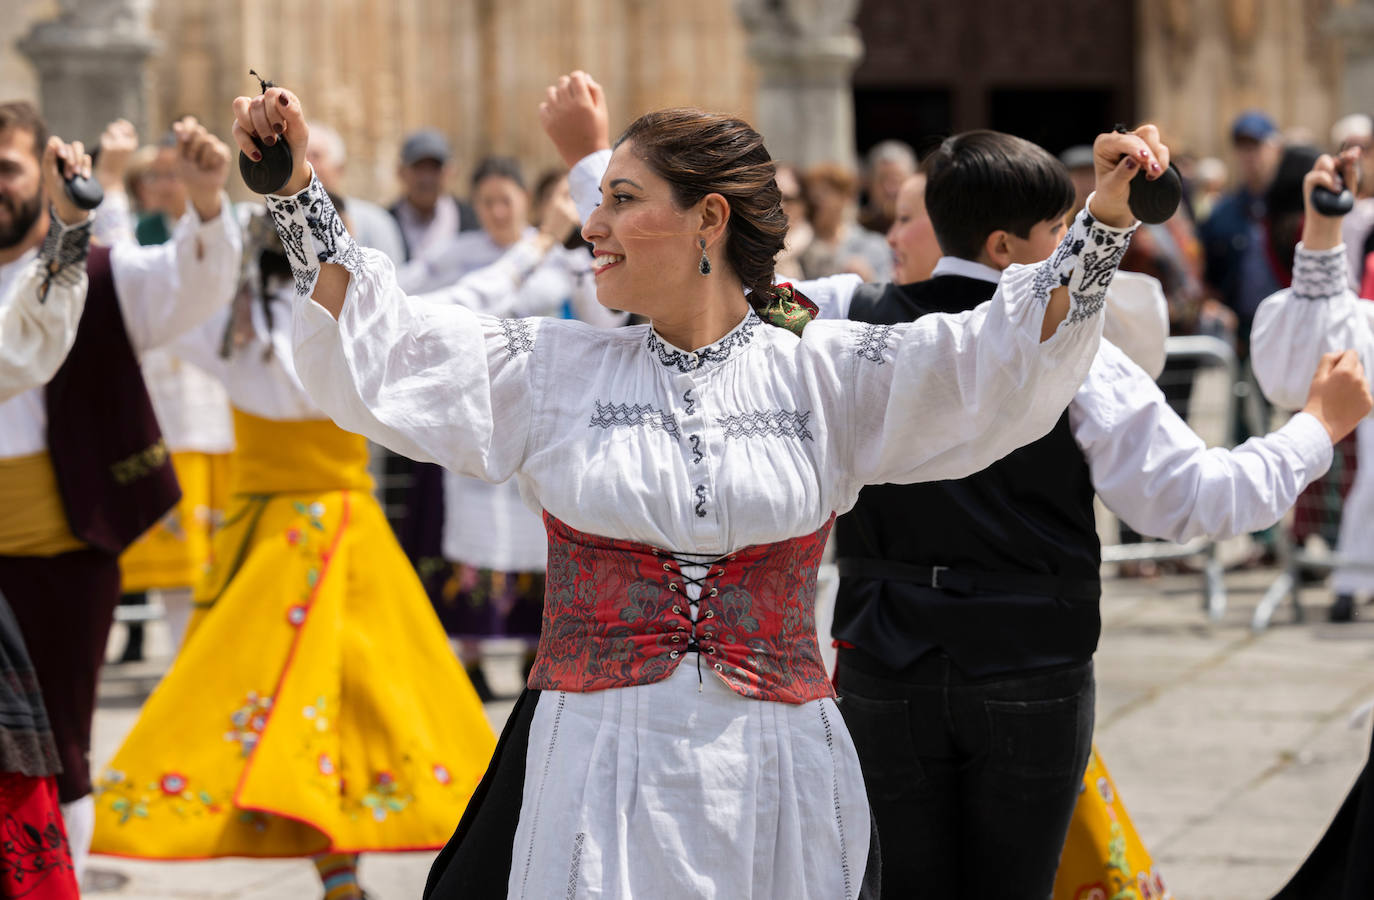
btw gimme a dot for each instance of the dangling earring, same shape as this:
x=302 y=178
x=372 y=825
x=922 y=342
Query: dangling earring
x=704 y=267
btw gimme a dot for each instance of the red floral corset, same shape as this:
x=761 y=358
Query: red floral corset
x=616 y=614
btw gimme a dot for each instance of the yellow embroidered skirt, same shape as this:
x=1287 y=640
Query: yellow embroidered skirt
x=175 y=552
x=316 y=705
x=1104 y=858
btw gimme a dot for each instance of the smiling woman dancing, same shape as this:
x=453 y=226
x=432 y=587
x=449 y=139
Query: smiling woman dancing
x=688 y=471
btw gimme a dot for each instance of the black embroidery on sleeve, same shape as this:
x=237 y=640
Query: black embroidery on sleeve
x=519 y=336
x=63 y=254
x=1319 y=274
x=873 y=340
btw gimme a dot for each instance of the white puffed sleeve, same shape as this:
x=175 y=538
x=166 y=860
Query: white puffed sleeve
x=1295 y=326
x=431 y=381
x=39 y=325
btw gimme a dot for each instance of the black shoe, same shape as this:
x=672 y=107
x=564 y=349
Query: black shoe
x=479 y=682
x=133 y=648
x=1342 y=609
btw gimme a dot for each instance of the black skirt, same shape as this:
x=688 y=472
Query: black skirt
x=1341 y=866
x=26 y=740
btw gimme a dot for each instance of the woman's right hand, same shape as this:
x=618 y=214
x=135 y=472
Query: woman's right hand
x=275 y=115
x=1321 y=232
x=575 y=117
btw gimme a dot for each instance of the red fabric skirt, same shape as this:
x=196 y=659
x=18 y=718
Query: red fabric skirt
x=35 y=861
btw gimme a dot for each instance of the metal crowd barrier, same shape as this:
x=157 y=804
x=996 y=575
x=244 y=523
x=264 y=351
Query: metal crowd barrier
x=1196 y=353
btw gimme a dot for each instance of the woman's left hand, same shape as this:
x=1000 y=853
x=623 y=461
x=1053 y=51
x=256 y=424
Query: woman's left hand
x=1118 y=158
x=274 y=115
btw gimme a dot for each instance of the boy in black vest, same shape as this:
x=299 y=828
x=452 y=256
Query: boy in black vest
x=967 y=613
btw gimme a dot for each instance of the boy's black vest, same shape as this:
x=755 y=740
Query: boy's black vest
x=998 y=570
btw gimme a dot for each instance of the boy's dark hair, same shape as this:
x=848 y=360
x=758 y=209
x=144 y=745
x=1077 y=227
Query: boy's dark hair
x=979 y=182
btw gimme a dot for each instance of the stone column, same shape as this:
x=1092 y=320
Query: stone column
x=91 y=65
x=1354 y=26
x=805 y=51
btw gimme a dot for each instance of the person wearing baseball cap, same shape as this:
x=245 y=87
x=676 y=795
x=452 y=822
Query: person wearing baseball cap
x=426 y=212
x=1233 y=235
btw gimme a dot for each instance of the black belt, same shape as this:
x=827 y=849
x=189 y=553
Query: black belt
x=943 y=578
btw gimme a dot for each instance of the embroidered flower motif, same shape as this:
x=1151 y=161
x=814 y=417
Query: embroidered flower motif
x=296 y=615
x=293 y=536
x=172 y=784
x=441 y=775
x=1104 y=787
x=383 y=797
x=325 y=764
x=247 y=722
x=317 y=509
x=316 y=713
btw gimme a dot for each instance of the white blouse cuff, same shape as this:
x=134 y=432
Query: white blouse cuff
x=584 y=181
x=1320 y=274
x=63 y=254
x=312 y=213
x=1085 y=262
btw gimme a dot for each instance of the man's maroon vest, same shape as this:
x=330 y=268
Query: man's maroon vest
x=113 y=469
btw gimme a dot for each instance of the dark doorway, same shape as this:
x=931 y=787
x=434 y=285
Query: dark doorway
x=920 y=117
x=1054 y=119
x=1038 y=68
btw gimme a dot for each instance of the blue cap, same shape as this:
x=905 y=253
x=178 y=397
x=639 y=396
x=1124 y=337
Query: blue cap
x=1253 y=125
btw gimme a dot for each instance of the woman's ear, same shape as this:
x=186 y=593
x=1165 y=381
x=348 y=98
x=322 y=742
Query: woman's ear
x=715 y=214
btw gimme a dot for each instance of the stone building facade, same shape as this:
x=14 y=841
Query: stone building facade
x=821 y=78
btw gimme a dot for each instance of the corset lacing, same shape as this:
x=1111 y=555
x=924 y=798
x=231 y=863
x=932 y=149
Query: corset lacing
x=693 y=586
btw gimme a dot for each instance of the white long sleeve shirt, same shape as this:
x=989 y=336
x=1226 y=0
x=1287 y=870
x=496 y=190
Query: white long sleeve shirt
x=37 y=326
x=758 y=437
x=163 y=291
x=1156 y=474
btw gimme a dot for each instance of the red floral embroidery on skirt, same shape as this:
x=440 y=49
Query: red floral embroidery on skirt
x=616 y=614
x=35 y=861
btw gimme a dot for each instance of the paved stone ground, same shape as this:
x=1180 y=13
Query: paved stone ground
x=1231 y=750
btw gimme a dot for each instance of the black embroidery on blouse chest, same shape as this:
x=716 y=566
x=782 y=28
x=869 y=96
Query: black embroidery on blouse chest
x=775 y=422
x=717 y=352
x=701 y=501
x=698 y=456
x=519 y=336
x=631 y=415
x=873 y=342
